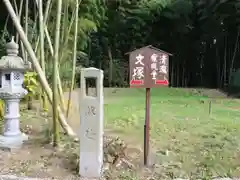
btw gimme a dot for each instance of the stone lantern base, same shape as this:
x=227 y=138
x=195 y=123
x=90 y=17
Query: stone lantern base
x=12 y=143
x=12 y=137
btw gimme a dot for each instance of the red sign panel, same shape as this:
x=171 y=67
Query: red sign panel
x=149 y=67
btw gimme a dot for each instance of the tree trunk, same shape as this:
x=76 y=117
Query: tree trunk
x=225 y=65
x=233 y=58
x=178 y=67
x=183 y=75
x=110 y=70
x=172 y=74
x=218 y=68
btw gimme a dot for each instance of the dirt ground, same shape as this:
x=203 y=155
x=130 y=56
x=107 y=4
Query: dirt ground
x=38 y=159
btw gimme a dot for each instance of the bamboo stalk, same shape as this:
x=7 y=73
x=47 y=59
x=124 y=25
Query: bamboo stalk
x=49 y=42
x=37 y=66
x=74 y=58
x=34 y=27
x=46 y=12
x=55 y=80
x=15 y=6
x=42 y=56
x=48 y=8
x=26 y=26
x=63 y=36
x=65 y=21
x=67 y=34
x=60 y=91
x=30 y=98
x=19 y=15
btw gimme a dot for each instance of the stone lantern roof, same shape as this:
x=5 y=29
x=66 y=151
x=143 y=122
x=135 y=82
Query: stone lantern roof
x=12 y=61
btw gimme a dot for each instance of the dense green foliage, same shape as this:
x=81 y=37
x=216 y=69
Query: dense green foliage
x=203 y=35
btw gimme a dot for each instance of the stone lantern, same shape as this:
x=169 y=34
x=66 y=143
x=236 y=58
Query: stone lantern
x=12 y=69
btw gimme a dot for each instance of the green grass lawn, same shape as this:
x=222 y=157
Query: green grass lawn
x=187 y=140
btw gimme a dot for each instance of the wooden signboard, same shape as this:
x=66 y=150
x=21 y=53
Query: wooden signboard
x=149 y=68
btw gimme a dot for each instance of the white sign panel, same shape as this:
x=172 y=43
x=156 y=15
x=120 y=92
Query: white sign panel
x=91 y=126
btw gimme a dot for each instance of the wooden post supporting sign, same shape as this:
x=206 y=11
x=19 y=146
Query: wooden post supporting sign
x=149 y=68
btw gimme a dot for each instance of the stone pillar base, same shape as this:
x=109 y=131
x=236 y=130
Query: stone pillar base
x=12 y=142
